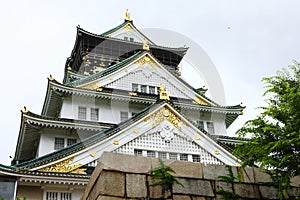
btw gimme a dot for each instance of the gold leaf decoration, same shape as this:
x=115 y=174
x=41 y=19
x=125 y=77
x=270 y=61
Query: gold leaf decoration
x=64 y=167
x=145 y=60
x=128 y=28
x=165 y=114
x=92 y=86
x=198 y=100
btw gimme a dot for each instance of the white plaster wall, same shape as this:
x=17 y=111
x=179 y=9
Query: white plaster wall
x=47 y=139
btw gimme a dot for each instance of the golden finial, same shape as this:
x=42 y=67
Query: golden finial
x=127 y=15
x=145 y=45
x=51 y=78
x=25 y=110
x=163 y=93
x=242 y=105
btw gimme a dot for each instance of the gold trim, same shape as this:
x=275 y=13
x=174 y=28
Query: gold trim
x=132 y=93
x=146 y=60
x=146 y=45
x=197 y=137
x=136 y=130
x=217 y=152
x=99 y=89
x=25 y=110
x=163 y=93
x=64 y=167
x=51 y=78
x=116 y=142
x=93 y=154
x=128 y=27
x=165 y=114
x=198 y=100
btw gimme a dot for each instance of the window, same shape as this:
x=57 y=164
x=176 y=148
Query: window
x=123 y=116
x=151 y=154
x=135 y=87
x=173 y=156
x=71 y=141
x=59 y=143
x=196 y=158
x=138 y=152
x=151 y=90
x=144 y=88
x=200 y=124
x=81 y=112
x=210 y=127
x=162 y=154
x=58 y=196
x=94 y=114
x=125 y=38
x=184 y=157
x=131 y=39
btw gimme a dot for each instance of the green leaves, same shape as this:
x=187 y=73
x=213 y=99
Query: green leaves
x=275 y=145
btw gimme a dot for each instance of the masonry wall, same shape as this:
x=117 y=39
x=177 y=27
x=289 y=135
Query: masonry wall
x=120 y=176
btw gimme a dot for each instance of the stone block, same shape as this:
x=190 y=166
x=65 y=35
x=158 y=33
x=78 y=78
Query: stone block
x=194 y=187
x=223 y=185
x=154 y=191
x=125 y=163
x=260 y=176
x=136 y=185
x=294 y=192
x=295 y=181
x=198 y=198
x=268 y=192
x=247 y=174
x=212 y=172
x=186 y=169
x=111 y=184
x=93 y=179
x=109 y=198
x=181 y=197
x=246 y=191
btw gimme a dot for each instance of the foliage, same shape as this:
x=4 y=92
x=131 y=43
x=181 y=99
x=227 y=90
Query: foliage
x=228 y=195
x=165 y=177
x=275 y=141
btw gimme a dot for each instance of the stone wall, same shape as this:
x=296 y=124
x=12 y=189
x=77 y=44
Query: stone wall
x=120 y=176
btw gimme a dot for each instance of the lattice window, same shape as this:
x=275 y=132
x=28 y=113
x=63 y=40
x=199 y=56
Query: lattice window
x=59 y=143
x=138 y=152
x=173 y=156
x=162 y=155
x=71 y=141
x=196 y=158
x=94 y=114
x=151 y=90
x=52 y=196
x=65 y=196
x=135 y=87
x=82 y=113
x=184 y=157
x=200 y=124
x=210 y=127
x=154 y=142
x=144 y=88
x=151 y=154
x=123 y=116
x=58 y=196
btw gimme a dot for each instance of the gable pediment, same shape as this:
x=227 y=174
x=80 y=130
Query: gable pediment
x=144 y=69
x=161 y=129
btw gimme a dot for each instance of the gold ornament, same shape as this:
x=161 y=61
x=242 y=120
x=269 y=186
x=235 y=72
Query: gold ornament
x=217 y=152
x=127 y=15
x=145 y=60
x=128 y=27
x=146 y=45
x=197 y=137
x=64 y=167
x=165 y=114
x=163 y=93
x=198 y=100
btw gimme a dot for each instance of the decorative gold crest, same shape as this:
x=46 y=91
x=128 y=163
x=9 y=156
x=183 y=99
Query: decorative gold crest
x=146 y=60
x=197 y=137
x=165 y=114
x=128 y=27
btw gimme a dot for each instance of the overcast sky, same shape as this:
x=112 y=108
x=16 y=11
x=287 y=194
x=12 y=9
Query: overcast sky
x=246 y=40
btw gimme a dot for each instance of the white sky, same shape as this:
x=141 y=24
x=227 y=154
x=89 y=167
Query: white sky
x=246 y=40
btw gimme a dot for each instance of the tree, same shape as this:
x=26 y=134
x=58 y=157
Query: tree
x=275 y=134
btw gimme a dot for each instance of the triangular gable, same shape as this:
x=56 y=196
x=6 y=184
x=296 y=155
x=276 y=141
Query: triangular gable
x=161 y=122
x=143 y=68
x=126 y=31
